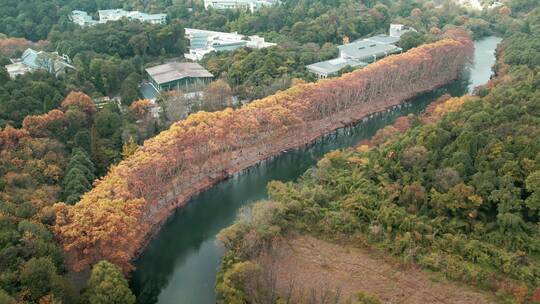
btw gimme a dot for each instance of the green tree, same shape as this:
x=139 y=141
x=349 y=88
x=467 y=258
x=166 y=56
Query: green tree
x=129 y=90
x=79 y=176
x=82 y=140
x=38 y=275
x=107 y=285
x=5 y=298
x=107 y=122
x=411 y=40
x=365 y=298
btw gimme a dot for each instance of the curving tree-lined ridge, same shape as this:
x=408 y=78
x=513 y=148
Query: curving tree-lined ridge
x=114 y=220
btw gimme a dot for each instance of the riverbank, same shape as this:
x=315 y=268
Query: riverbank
x=128 y=206
x=424 y=195
x=250 y=157
x=185 y=246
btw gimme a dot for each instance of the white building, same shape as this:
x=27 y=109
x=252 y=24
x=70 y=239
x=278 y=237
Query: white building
x=251 y=5
x=361 y=52
x=83 y=19
x=396 y=30
x=32 y=60
x=118 y=14
x=203 y=42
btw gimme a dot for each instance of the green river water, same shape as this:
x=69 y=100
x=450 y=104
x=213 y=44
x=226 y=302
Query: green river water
x=180 y=264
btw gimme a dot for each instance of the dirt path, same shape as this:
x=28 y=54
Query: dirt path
x=313 y=264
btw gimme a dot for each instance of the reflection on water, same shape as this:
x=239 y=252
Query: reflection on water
x=180 y=264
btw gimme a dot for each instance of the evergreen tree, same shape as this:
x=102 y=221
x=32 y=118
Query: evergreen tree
x=107 y=285
x=79 y=176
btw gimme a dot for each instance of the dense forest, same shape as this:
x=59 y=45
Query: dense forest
x=455 y=191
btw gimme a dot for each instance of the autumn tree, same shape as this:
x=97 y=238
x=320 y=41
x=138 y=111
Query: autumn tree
x=136 y=193
x=176 y=105
x=81 y=102
x=217 y=96
x=129 y=147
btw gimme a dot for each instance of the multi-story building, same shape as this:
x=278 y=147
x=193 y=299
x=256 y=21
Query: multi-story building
x=251 y=5
x=203 y=42
x=32 y=60
x=118 y=14
x=83 y=19
x=361 y=52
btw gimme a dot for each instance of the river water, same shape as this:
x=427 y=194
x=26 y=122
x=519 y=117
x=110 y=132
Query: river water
x=180 y=265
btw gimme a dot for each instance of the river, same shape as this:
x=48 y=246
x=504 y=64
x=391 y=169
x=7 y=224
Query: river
x=180 y=264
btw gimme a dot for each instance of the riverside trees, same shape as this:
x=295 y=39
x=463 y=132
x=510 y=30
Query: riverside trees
x=457 y=193
x=111 y=221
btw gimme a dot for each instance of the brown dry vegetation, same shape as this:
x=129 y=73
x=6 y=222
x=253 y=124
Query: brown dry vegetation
x=307 y=265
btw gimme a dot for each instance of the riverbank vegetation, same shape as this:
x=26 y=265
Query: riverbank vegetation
x=118 y=214
x=456 y=193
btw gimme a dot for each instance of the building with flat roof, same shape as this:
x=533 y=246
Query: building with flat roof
x=361 y=52
x=203 y=42
x=32 y=60
x=367 y=50
x=357 y=54
x=178 y=76
x=83 y=19
x=383 y=38
x=251 y=5
x=331 y=67
x=118 y=14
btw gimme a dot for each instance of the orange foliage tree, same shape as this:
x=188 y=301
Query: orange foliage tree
x=112 y=221
x=80 y=101
x=11 y=46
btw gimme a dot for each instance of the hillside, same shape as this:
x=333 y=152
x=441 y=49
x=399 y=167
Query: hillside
x=457 y=193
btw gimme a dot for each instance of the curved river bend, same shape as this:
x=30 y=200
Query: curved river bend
x=180 y=264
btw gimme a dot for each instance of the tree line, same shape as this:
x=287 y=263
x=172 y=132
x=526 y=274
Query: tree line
x=119 y=212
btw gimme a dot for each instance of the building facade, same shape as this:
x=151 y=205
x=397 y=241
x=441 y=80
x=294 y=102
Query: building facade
x=203 y=42
x=83 y=19
x=185 y=76
x=118 y=14
x=396 y=30
x=361 y=52
x=32 y=60
x=250 y=5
